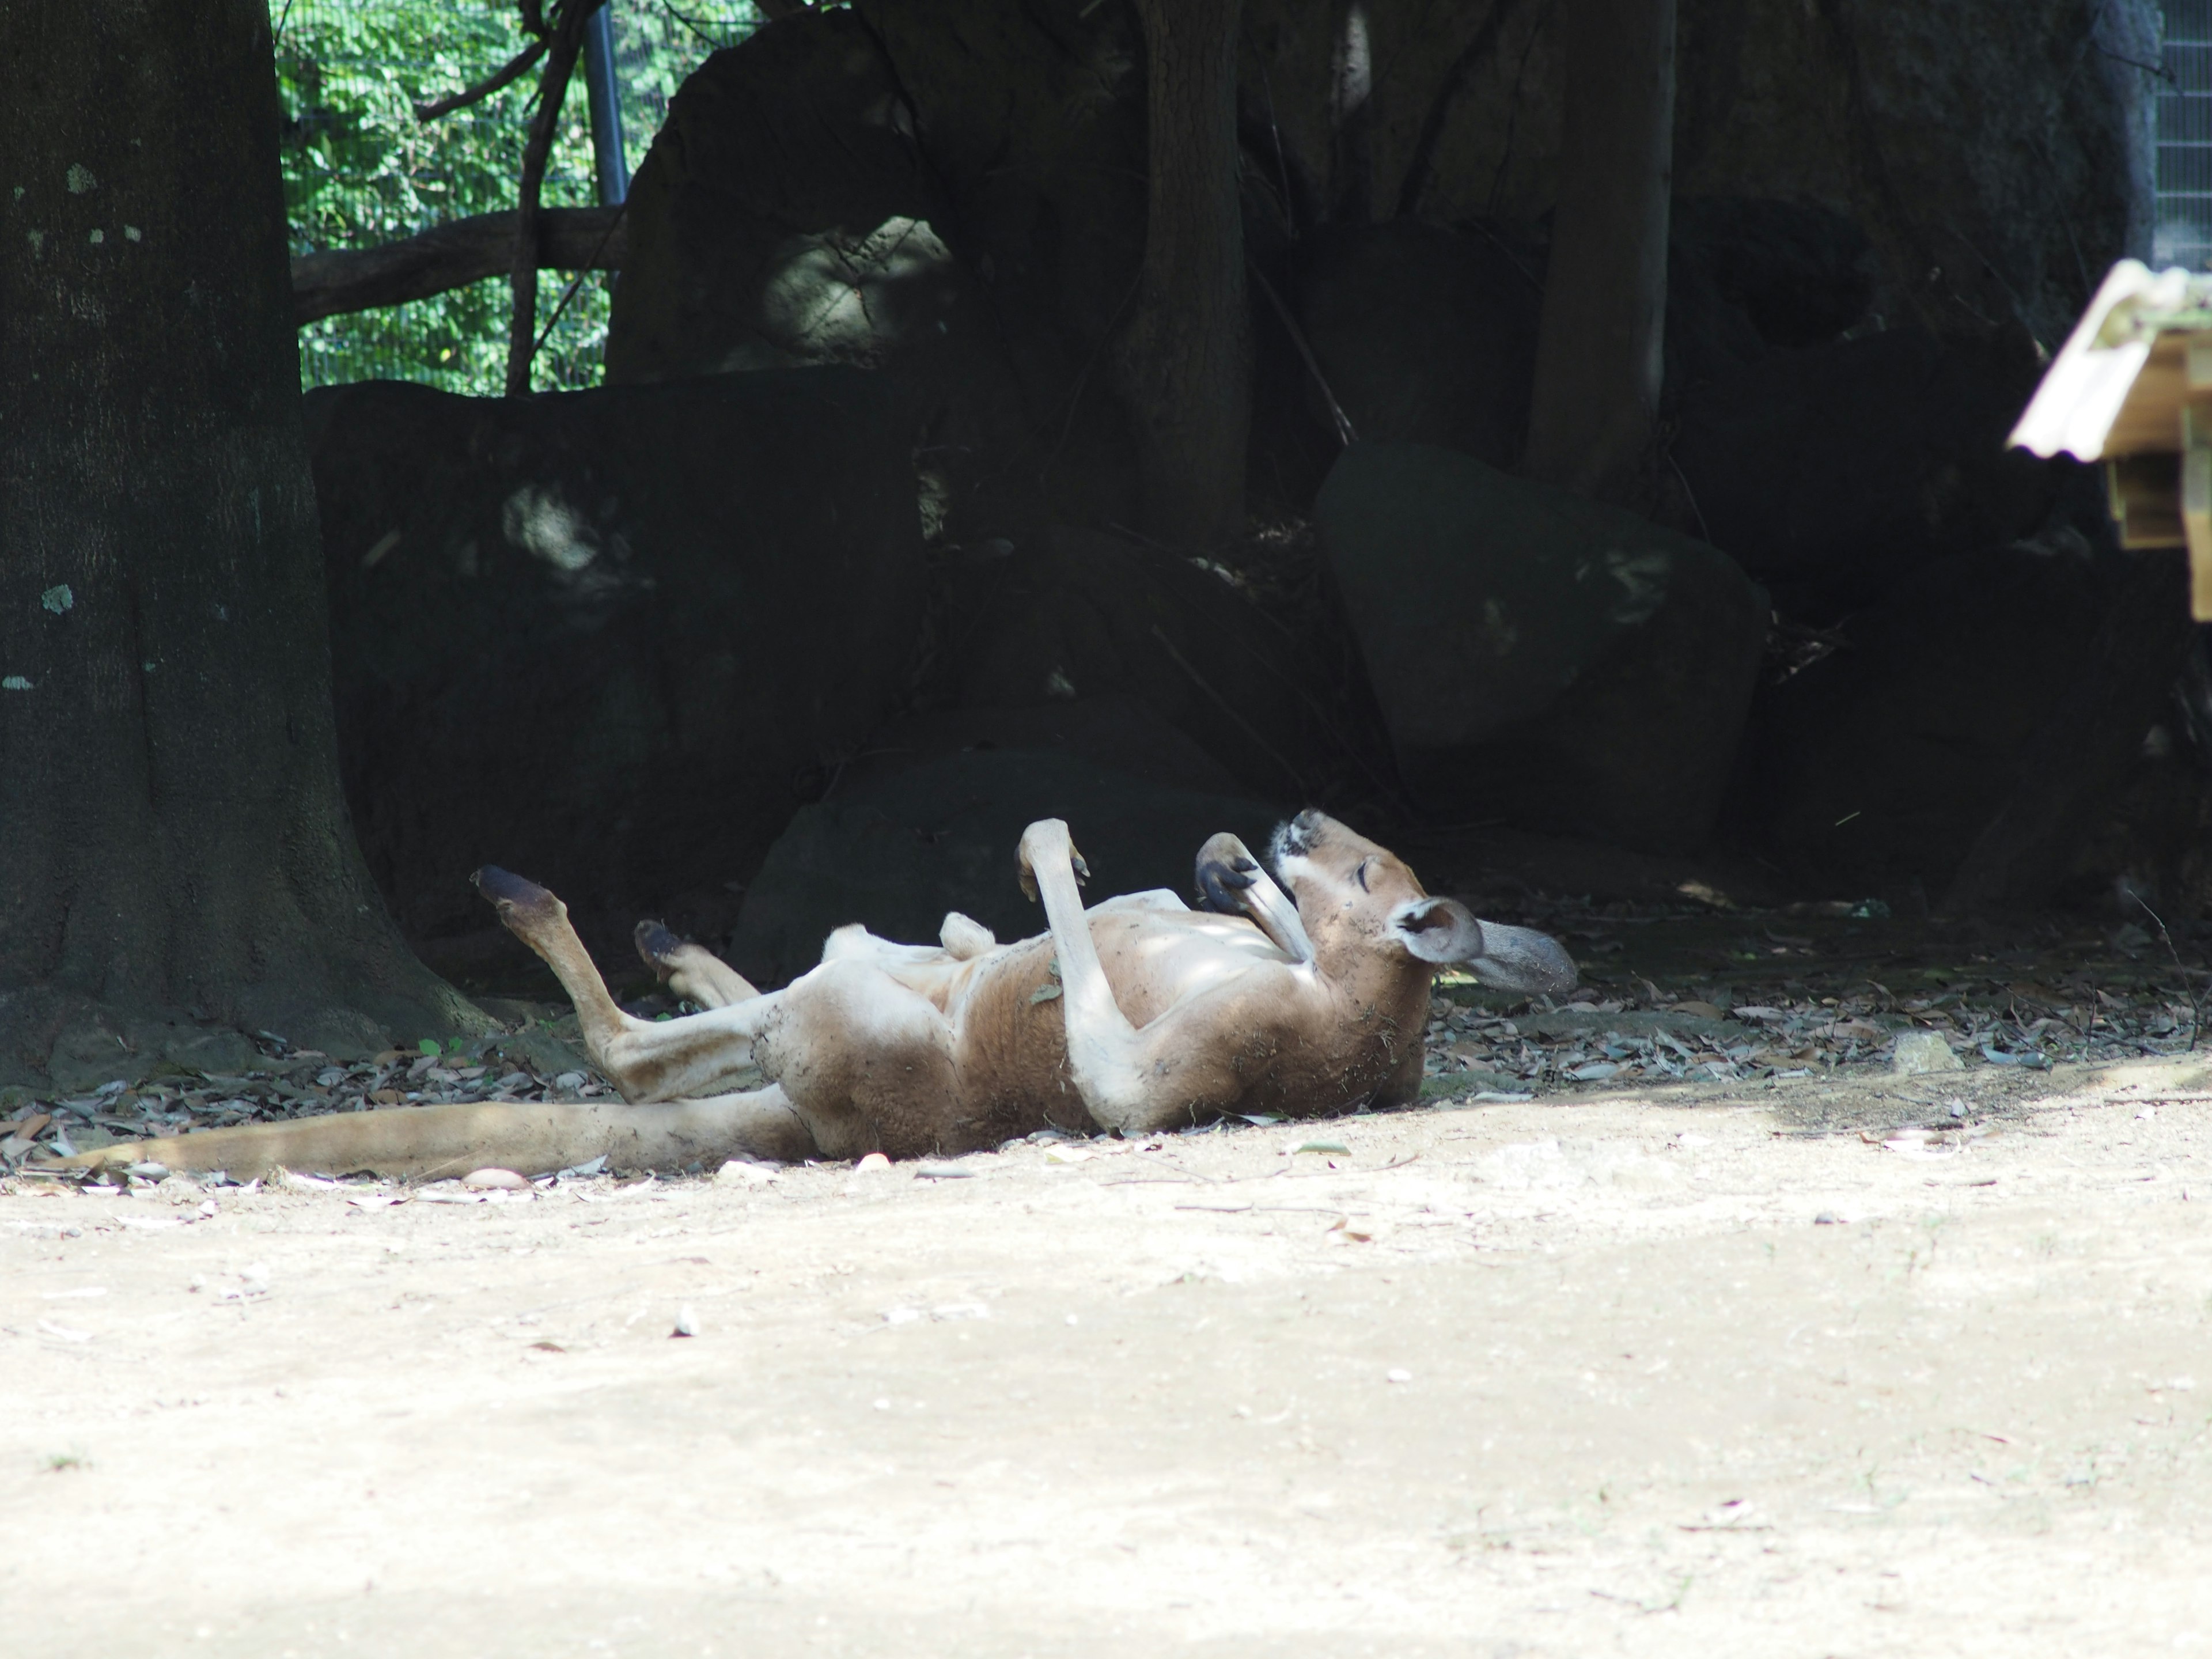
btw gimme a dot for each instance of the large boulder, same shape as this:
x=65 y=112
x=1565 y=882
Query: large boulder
x=1541 y=657
x=1425 y=335
x=1888 y=758
x=1076 y=614
x=1832 y=472
x=1995 y=152
x=955 y=196
x=1428 y=335
x=1115 y=732
x=899 y=853
x=596 y=637
x=958 y=194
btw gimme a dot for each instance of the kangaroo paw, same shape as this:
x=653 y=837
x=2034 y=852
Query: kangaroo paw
x=1226 y=872
x=659 y=947
x=517 y=899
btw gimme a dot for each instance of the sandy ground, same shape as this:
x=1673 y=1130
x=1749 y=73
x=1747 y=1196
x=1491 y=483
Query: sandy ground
x=1648 y=1374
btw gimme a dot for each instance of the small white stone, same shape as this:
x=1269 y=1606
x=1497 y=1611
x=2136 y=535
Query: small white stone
x=488 y=1180
x=1921 y=1051
x=686 y=1322
x=871 y=1163
x=1397 y=1374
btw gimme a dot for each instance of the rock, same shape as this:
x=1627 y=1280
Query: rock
x=960 y=204
x=1831 y=473
x=1539 y=657
x=86 y=1055
x=543 y=1053
x=1799 y=272
x=594 y=637
x=961 y=198
x=485 y=1181
x=228 y=1053
x=1075 y=615
x=738 y=1173
x=1921 y=1051
x=1885 y=759
x=1996 y=172
x=341 y=1033
x=918 y=843
x=871 y=1163
x=1425 y=335
x=1117 y=731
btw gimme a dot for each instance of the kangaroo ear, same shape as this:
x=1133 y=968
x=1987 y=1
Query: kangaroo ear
x=1523 y=959
x=1436 y=930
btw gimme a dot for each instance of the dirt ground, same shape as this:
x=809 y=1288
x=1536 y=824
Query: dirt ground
x=1738 y=1370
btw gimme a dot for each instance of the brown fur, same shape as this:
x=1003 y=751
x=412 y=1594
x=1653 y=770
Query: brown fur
x=1137 y=1015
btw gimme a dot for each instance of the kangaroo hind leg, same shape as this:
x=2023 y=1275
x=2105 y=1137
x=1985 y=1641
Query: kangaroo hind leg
x=691 y=971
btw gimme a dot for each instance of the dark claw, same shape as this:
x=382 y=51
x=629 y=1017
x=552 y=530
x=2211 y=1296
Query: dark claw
x=504 y=887
x=656 y=943
x=1082 y=870
x=1219 y=884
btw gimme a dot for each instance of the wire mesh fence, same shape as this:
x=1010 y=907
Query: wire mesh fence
x=2185 y=137
x=360 y=169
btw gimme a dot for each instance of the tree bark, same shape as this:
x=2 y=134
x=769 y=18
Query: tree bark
x=1184 y=360
x=449 y=256
x=1600 y=346
x=552 y=92
x=172 y=840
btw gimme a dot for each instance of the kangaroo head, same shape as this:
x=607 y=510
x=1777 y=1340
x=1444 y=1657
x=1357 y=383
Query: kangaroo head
x=1360 y=902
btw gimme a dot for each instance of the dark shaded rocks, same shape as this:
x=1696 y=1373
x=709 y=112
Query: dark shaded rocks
x=1425 y=335
x=1541 y=657
x=954 y=197
x=1831 y=473
x=896 y=855
x=604 y=637
x=1800 y=273
x=1888 y=758
x=1076 y=614
x=1116 y=732
x=1428 y=335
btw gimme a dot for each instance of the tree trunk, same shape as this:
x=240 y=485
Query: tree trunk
x=1599 y=347
x=537 y=150
x=1185 y=359
x=173 y=841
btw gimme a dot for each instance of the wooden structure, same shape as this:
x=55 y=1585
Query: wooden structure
x=2133 y=388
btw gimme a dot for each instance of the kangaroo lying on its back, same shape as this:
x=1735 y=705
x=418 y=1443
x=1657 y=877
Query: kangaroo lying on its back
x=1136 y=1016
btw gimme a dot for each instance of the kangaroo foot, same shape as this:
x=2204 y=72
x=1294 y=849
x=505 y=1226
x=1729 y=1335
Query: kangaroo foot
x=1232 y=882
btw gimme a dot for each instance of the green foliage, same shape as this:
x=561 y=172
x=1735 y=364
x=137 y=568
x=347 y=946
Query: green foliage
x=360 y=169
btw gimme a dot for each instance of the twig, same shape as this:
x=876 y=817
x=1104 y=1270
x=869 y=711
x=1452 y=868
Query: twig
x=552 y=91
x=1345 y=435
x=2196 y=1011
x=507 y=75
x=1421 y=171
x=696 y=27
x=1228 y=708
x=577 y=281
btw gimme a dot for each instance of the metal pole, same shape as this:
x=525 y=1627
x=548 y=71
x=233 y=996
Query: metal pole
x=613 y=166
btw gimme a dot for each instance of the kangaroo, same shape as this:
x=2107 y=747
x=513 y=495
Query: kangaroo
x=1136 y=1016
